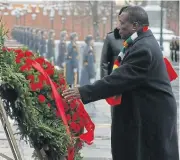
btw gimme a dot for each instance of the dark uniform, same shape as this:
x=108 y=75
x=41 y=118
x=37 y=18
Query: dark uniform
x=111 y=48
x=72 y=65
x=62 y=50
x=50 y=46
x=88 y=73
x=36 y=41
x=42 y=46
x=31 y=39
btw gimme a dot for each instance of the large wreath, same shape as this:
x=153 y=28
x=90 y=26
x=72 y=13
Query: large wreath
x=31 y=88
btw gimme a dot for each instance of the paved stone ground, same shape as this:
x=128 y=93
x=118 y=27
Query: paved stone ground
x=100 y=114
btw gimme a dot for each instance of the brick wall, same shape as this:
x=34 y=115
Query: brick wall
x=82 y=24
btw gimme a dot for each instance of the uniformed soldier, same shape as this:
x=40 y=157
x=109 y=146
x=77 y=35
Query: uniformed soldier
x=36 y=40
x=88 y=73
x=42 y=46
x=32 y=37
x=62 y=49
x=50 y=46
x=72 y=65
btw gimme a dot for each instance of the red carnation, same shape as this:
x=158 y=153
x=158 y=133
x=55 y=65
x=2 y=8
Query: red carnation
x=73 y=104
x=29 y=61
x=79 y=145
x=41 y=78
x=20 y=55
x=18 y=51
x=40 y=60
x=49 y=105
x=41 y=98
x=18 y=60
x=73 y=125
x=25 y=67
x=49 y=71
x=62 y=81
x=81 y=123
x=36 y=86
x=28 y=53
x=49 y=65
x=75 y=117
x=31 y=78
x=68 y=116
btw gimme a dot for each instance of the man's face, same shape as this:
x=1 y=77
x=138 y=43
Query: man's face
x=125 y=27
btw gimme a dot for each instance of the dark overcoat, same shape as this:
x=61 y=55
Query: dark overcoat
x=50 y=48
x=62 y=51
x=42 y=46
x=144 y=126
x=88 y=69
x=71 y=63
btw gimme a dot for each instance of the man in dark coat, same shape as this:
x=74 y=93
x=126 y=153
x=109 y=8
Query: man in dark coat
x=144 y=126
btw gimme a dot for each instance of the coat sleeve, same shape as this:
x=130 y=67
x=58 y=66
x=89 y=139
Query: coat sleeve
x=104 y=63
x=132 y=73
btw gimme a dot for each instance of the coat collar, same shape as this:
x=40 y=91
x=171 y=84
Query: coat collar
x=143 y=34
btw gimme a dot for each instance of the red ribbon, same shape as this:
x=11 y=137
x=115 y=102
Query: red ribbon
x=89 y=125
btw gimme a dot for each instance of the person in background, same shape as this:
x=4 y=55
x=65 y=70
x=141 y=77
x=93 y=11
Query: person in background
x=172 y=48
x=111 y=48
x=62 y=49
x=72 y=64
x=42 y=44
x=50 y=46
x=88 y=73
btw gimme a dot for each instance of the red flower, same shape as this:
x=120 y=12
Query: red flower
x=41 y=78
x=36 y=86
x=81 y=123
x=18 y=51
x=62 y=81
x=41 y=98
x=49 y=105
x=73 y=105
x=40 y=60
x=20 y=55
x=28 y=53
x=68 y=116
x=29 y=61
x=75 y=116
x=73 y=125
x=31 y=78
x=48 y=64
x=79 y=145
x=25 y=67
x=49 y=71
x=18 y=60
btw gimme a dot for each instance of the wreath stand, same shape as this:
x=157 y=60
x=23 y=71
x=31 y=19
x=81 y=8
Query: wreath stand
x=11 y=139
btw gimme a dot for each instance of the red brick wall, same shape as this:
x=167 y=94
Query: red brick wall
x=45 y=23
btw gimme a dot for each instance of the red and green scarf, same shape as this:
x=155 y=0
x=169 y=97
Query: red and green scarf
x=116 y=100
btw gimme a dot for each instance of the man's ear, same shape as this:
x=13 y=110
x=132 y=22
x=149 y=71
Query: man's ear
x=135 y=26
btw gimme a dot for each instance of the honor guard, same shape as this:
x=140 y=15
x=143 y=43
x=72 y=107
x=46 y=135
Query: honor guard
x=72 y=66
x=62 y=49
x=42 y=46
x=50 y=46
x=36 y=41
x=88 y=73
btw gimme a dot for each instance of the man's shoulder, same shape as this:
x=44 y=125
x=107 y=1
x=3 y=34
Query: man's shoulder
x=110 y=34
